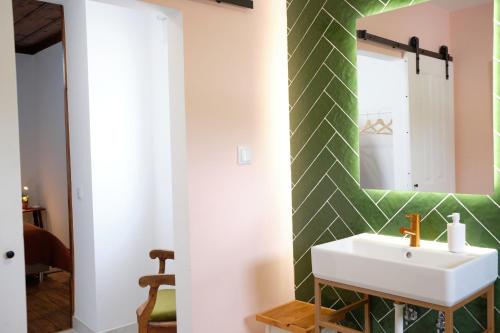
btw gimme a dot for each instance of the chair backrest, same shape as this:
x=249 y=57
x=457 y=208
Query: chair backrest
x=162 y=256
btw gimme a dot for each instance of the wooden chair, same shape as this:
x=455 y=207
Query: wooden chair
x=158 y=313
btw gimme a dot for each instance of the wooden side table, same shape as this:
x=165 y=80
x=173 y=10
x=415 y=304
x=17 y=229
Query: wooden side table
x=37 y=215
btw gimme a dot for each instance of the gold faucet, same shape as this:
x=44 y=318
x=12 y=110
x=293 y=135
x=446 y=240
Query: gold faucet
x=414 y=230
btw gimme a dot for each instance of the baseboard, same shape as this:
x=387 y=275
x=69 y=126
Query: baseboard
x=130 y=328
x=80 y=327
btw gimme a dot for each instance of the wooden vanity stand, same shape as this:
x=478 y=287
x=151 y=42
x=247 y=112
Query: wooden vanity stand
x=332 y=320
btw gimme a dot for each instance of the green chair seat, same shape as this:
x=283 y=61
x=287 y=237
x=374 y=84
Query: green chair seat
x=164 y=309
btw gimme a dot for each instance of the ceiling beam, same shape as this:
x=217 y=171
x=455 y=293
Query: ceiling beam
x=242 y=3
x=56 y=20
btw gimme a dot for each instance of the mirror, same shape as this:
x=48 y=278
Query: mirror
x=425 y=98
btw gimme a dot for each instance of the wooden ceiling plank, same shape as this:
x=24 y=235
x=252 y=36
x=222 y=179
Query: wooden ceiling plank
x=51 y=29
x=58 y=20
x=28 y=26
x=42 y=45
x=36 y=22
x=42 y=5
x=38 y=25
x=22 y=8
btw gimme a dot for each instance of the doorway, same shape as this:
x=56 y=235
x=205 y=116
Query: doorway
x=109 y=253
x=45 y=164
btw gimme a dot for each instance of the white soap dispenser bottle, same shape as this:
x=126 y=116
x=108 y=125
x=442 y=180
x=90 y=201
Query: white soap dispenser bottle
x=456 y=234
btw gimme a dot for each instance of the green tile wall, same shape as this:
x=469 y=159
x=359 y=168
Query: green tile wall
x=328 y=203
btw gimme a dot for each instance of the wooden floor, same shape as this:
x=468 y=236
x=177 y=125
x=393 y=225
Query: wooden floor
x=48 y=303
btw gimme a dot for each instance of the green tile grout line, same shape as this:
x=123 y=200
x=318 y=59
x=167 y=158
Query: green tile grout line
x=328 y=203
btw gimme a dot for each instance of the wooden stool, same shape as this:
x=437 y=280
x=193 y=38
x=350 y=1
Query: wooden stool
x=296 y=316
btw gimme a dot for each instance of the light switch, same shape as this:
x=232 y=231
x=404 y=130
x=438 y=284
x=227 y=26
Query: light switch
x=244 y=155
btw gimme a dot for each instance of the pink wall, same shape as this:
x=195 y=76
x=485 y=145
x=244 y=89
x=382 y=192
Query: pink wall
x=240 y=216
x=472 y=47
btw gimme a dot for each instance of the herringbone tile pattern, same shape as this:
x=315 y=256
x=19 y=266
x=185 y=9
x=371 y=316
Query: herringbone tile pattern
x=328 y=203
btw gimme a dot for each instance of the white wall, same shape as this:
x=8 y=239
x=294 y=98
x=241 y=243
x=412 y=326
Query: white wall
x=130 y=147
x=94 y=250
x=42 y=134
x=162 y=163
x=28 y=129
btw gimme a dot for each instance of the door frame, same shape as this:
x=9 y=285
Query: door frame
x=68 y=167
x=69 y=185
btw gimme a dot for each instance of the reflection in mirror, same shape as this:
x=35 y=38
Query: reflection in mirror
x=425 y=98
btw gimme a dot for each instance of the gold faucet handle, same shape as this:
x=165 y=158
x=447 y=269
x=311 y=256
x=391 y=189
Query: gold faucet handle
x=414 y=219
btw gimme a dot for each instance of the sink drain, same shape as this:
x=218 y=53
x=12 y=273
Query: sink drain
x=408 y=254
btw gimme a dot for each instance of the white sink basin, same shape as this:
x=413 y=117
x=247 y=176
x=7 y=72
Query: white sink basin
x=387 y=264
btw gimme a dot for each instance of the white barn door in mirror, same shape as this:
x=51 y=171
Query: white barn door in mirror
x=432 y=133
